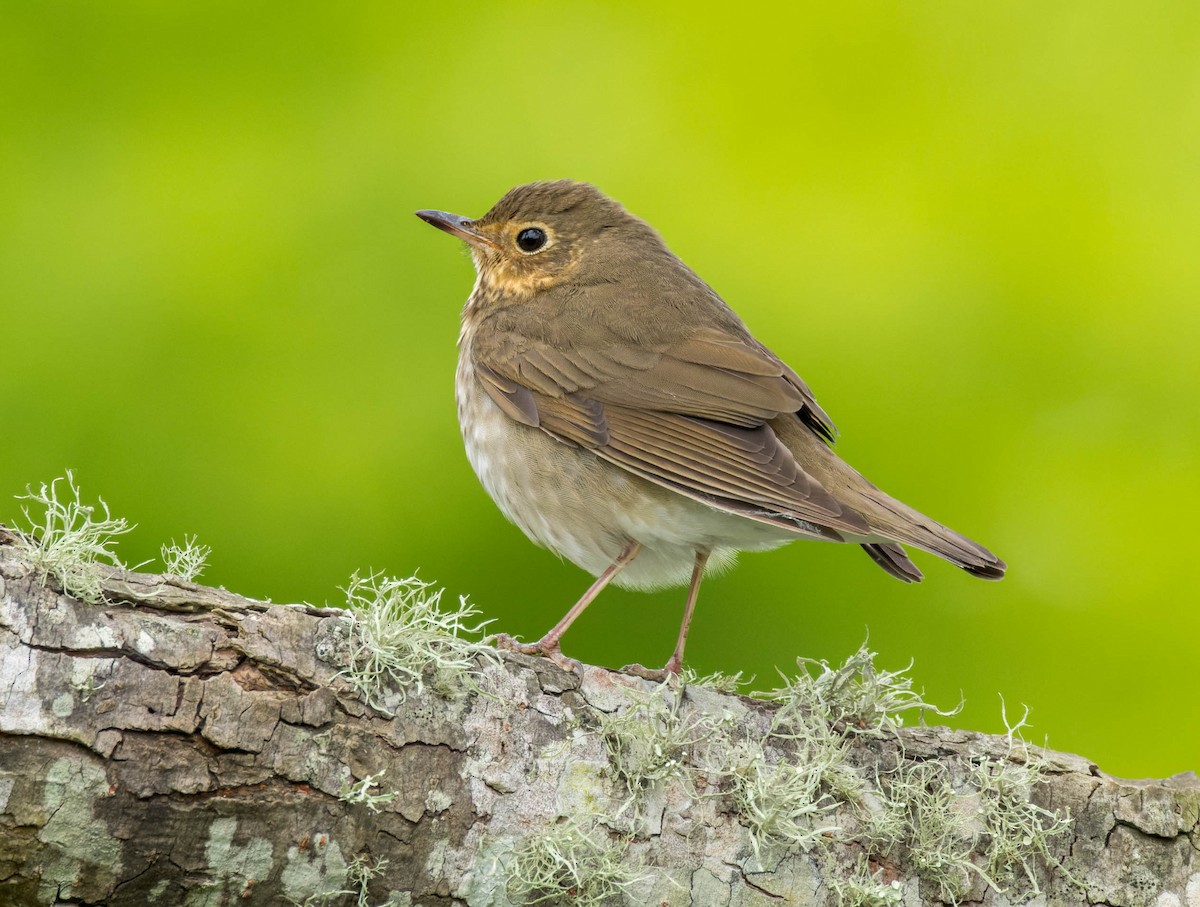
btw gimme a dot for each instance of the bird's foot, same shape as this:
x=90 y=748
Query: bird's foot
x=666 y=672
x=544 y=647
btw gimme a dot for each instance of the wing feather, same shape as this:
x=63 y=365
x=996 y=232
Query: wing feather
x=692 y=415
x=511 y=396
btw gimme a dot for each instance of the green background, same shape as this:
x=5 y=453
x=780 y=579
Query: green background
x=973 y=228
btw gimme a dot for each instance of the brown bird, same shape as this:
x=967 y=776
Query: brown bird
x=621 y=414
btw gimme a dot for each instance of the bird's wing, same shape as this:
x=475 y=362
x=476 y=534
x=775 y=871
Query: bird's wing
x=712 y=374
x=693 y=416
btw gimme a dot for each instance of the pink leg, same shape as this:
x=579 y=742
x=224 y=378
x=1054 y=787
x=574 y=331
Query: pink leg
x=548 y=644
x=675 y=664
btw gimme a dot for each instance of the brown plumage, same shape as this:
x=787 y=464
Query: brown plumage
x=622 y=415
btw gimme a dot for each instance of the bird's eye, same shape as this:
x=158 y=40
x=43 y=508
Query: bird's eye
x=531 y=239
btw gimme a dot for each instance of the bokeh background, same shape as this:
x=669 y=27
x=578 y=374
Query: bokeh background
x=973 y=228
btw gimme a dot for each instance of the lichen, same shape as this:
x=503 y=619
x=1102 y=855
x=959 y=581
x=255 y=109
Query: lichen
x=360 y=793
x=315 y=874
x=236 y=867
x=987 y=828
x=949 y=823
x=718 y=681
x=400 y=638
x=69 y=538
x=866 y=888
x=649 y=743
x=784 y=804
x=1016 y=832
x=81 y=848
x=937 y=833
x=186 y=561
x=569 y=864
x=359 y=874
x=855 y=695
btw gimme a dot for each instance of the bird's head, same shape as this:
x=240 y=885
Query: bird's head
x=549 y=234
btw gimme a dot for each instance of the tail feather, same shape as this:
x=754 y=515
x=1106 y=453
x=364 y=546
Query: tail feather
x=891 y=557
x=914 y=528
x=987 y=571
x=890 y=522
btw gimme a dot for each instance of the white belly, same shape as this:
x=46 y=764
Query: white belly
x=587 y=510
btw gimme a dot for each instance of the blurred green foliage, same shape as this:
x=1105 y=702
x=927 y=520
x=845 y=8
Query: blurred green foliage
x=972 y=228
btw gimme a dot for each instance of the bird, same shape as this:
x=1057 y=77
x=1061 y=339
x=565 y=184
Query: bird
x=620 y=413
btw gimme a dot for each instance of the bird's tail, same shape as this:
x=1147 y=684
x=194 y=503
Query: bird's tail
x=900 y=523
x=889 y=522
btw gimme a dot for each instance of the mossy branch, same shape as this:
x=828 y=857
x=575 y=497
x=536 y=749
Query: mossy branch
x=173 y=742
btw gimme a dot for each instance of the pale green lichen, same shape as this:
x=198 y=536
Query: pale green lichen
x=854 y=695
x=792 y=800
x=956 y=824
x=235 y=868
x=717 y=681
x=649 y=743
x=1016 y=832
x=982 y=827
x=360 y=793
x=186 y=561
x=359 y=874
x=400 y=638
x=569 y=864
x=816 y=741
x=785 y=804
x=883 y=823
x=938 y=831
x=864 y=888
x=989 y=829
x=78 y=842
x=68 y=538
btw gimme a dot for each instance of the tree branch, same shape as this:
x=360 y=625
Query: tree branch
x=184 y=745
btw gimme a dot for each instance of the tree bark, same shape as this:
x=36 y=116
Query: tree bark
x=180 y=744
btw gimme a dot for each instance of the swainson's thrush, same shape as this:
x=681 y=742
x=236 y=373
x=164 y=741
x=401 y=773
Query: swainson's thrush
x=621 y=414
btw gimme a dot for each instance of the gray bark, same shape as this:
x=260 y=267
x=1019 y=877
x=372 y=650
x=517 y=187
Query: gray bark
x=184 y=745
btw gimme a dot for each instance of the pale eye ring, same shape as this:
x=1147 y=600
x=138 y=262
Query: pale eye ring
x=531 y=239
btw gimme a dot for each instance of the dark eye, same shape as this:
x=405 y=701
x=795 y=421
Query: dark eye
x=531 y=239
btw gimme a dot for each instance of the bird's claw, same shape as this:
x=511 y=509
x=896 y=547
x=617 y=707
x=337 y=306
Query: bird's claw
x=549 y=650
x=657 y=675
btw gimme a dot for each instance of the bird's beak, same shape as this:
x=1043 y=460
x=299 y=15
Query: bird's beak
x=456 y=225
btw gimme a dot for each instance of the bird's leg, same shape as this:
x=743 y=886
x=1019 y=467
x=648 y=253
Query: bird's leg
x=675 y=663
x=548 y=644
